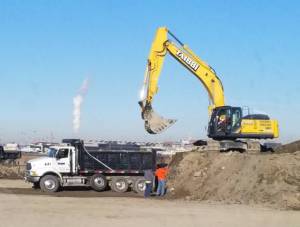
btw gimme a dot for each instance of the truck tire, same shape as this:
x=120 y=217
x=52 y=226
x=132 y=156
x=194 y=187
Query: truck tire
x=119 y=184
x=139 y=185
x=36 y=185
x=49 y=183
x=98 y=182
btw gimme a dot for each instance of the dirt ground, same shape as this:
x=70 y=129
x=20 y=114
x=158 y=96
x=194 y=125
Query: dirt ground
x=18 y=208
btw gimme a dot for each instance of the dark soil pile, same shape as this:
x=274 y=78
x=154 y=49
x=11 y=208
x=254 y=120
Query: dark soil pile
x=289 y=148
x=268 y=179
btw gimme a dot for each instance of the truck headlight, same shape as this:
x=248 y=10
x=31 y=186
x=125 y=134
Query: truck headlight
x=33 y=173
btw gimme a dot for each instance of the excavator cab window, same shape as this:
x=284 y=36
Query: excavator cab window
x=236 y=119
x=225 y=121
x=222 y=120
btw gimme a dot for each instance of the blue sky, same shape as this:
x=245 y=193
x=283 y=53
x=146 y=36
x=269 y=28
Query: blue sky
x=47 y=49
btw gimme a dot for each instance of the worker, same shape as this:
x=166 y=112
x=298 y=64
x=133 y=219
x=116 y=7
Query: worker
x=161 y=173
x=221 y=122
x=149 y=176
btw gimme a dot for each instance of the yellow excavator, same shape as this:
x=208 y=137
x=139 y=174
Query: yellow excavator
x=227 y=124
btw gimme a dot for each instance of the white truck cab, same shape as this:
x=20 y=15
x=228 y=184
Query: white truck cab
x=59 y=162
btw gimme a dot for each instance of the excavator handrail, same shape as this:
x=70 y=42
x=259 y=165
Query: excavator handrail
x=171 y=34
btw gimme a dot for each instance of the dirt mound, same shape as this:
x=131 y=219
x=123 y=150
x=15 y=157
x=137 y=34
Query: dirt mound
x=11 y=172
x=269 y=179
x=15 y=169
x=289 y=148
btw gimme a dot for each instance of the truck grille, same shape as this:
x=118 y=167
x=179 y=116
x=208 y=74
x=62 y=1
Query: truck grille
x=28 y=166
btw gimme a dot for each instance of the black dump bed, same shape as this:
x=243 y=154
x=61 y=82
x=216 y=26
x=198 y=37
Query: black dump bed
x=113 y=161
x=128 y=161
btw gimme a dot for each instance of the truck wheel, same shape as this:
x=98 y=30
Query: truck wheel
x=139 y=185
x=49 y=183
x=36 y=185
x=119 y=184
x=98 y=182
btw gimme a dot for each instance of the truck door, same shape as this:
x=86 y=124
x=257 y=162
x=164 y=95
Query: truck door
x=63 y=160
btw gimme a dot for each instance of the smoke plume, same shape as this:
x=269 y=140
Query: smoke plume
x=77 y=102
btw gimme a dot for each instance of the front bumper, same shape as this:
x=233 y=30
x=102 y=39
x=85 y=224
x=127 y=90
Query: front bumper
x=31 y=179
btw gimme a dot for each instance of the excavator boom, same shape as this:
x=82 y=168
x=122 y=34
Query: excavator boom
x=161 y=46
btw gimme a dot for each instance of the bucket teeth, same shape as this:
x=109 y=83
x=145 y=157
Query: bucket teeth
x=155 y=124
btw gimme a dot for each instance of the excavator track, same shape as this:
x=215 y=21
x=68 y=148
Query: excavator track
x=248 y=146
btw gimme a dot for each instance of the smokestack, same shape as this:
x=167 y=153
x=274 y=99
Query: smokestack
x=77 y=102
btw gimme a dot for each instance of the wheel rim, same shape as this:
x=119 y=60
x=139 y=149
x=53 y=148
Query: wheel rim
x=50 y=184
x=121 y=185
x=99 y=182
x=141 y=186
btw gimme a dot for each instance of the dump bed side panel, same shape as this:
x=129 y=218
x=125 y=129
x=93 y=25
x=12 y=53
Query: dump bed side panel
x=126 y=161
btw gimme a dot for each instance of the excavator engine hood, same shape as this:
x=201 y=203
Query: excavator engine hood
x=154 y=123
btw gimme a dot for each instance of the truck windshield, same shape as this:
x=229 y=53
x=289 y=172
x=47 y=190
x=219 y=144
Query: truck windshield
x=52 y=152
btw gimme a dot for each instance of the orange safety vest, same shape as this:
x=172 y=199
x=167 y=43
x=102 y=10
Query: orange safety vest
x=161 y=173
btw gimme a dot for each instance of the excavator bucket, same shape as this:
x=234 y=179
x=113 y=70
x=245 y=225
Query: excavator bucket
x=154 y=123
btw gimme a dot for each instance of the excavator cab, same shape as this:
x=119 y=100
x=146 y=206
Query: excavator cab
x=225 y=123
x=228 y=123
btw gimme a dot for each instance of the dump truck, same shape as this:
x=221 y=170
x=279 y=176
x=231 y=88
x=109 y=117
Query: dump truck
x=10 y=155
x=71 y=164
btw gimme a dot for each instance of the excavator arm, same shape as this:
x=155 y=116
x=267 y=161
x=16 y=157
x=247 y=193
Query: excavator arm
x=162 y=46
